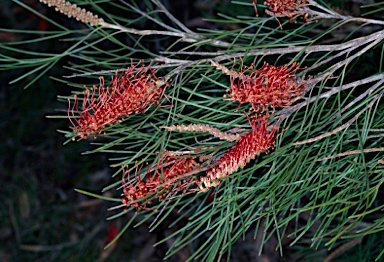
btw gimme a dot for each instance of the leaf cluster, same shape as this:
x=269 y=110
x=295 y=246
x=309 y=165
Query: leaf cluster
x=305 y=190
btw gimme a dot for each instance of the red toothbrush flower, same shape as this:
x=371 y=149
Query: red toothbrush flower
x=268 y=87
x=253 y=143
x=162 y=180
x=288 y=8
x=285 y=7
x=134 y=91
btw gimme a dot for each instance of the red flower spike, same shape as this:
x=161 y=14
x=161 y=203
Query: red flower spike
x=268 y=87
x=253 y=143
x=162 y=179
x=134 y=91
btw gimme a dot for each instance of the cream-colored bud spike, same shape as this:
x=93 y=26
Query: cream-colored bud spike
x=72 y=10
x=204 y=128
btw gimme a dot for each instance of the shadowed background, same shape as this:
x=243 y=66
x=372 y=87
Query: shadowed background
x=42 y=218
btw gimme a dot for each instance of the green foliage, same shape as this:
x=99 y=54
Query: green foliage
x=303 y=191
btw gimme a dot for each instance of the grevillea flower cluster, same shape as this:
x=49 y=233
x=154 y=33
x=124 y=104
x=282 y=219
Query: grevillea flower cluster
x=267 y=88
x=162 y=180
x=285 y=7
x=253 y=143
x=132 y=92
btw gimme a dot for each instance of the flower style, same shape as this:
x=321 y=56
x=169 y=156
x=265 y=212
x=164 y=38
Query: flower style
x=134 y=91
x=162 y=179
x=268 y=87
x=253 y=143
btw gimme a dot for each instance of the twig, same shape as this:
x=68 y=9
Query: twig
x=357 y=99
x=337 y=89
x=169 y=63
x=120 y=206
x=285 y=113
x=343 y=248
x=347 y=60
x=286 y=50
x=313 y=3
x=220 y=56
x=182 y=153
x=369 y=130
x=367 y=137
x=189 y=36
x=182 y=35
x=358 y=54
x=150 y=17
x=159 y=214
x=374 y=99
x=353 y=152
x=333 y=15
x=172 y=18
x=316 y=65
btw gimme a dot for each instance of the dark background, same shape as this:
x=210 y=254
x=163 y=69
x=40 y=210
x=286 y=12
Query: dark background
x=42 y=218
